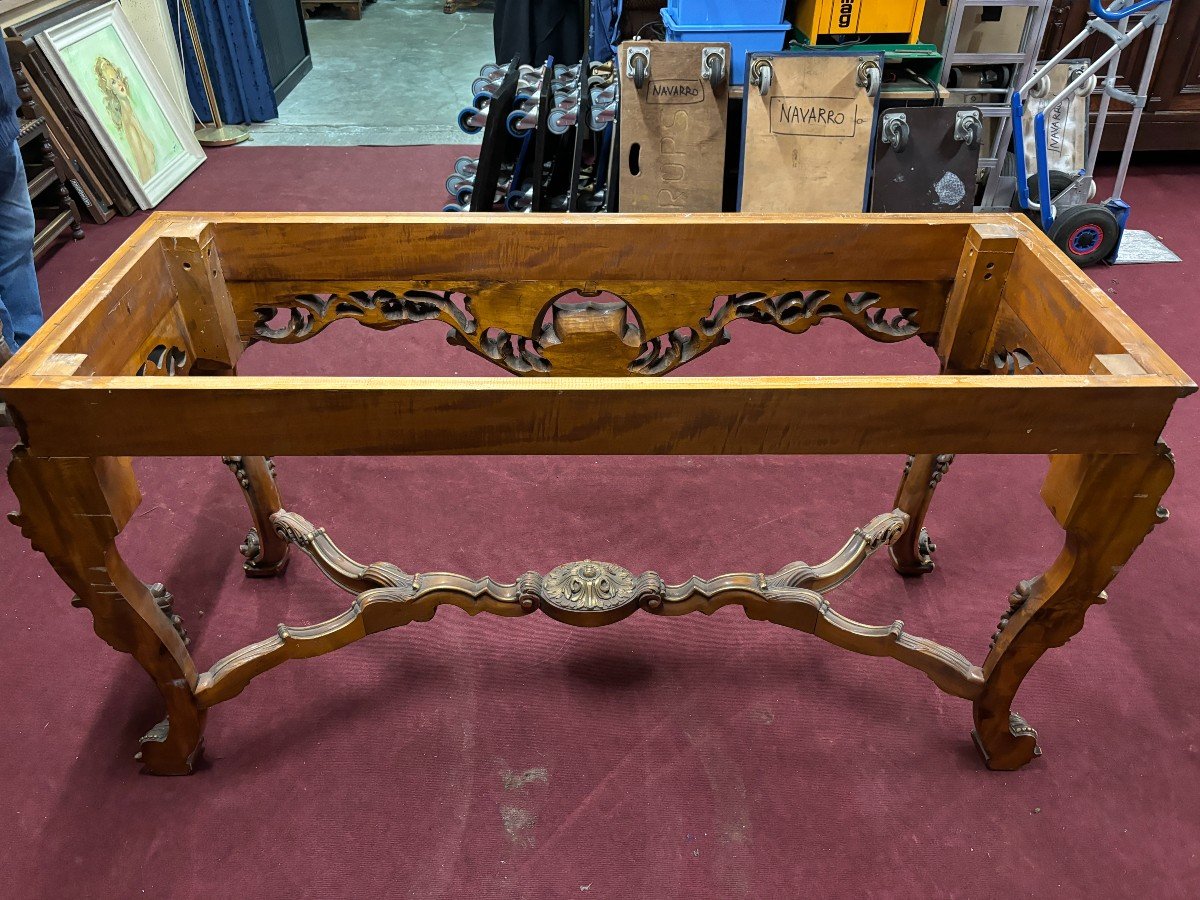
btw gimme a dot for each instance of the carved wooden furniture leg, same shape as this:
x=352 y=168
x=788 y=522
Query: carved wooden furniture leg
x=1107 y=505
x=72 y=510
x=265 y=551
x=912 y=554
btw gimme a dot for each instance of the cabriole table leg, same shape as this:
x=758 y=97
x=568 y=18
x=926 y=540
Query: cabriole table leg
x=265 y=551
x=913 y=553
x=1107 y=505
x=72 y=510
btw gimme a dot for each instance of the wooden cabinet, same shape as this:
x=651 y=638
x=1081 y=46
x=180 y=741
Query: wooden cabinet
x=1172 y=120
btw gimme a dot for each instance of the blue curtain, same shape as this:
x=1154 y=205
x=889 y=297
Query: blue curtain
x=606 y=29
x=236 y=62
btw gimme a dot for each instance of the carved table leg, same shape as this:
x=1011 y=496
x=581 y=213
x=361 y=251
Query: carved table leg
x=72 y=510
x=265 y=551
x=913 y=553
x=1107 y=505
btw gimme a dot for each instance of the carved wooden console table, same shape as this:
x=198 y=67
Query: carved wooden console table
x=1034 y=360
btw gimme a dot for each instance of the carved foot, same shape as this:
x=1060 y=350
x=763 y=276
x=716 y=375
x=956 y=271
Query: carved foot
x=918 y=561
x=165 y=753
x=912 y=555
x=255 y=566
x=1007 y=749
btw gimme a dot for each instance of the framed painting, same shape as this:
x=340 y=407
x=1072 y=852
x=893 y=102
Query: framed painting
x=135 y=117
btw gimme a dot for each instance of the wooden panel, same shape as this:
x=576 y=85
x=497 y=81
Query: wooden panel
x=703 y=247
x=673 y=132
x=930 y=170
x=807 y=142
x=1013 y=348
x=561 y=416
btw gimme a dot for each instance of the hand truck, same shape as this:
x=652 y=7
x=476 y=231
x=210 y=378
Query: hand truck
x=1088 y=232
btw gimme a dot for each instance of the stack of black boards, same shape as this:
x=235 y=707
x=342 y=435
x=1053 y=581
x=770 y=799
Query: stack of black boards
x=547 y=139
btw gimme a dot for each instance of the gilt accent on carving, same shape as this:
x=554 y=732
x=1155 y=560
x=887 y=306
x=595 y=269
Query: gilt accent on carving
x=592 y=337
x=589 y=593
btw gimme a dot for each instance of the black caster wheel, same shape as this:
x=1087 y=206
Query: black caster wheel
x=1086 y=233
x=639 y=72
x=716 y=70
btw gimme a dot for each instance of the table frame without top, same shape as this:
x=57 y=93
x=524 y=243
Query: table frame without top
x=1034 y=359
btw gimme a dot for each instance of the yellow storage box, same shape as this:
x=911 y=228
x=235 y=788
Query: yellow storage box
x=888 y=21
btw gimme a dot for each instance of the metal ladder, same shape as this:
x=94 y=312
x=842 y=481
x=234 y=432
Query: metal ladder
x=1037 y=13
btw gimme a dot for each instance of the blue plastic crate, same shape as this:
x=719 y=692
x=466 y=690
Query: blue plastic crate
x=742 y=39
x=726 y=12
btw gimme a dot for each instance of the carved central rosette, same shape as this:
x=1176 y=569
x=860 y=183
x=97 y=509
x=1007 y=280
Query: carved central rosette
x=593 y=593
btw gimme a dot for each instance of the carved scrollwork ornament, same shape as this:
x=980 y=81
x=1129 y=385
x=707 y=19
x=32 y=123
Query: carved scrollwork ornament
x=251 y=547
x=925 y=545
x=591 y=593
x=564 y=322
x=1015 y=361
x=1020 y=728
x=164 y=361
x=235 y=465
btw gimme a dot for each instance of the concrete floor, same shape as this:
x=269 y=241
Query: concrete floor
x=398 y=76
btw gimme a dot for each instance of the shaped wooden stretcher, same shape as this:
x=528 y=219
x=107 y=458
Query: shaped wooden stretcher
x=1034 y=359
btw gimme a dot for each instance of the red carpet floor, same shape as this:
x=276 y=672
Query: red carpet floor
x=697 y=757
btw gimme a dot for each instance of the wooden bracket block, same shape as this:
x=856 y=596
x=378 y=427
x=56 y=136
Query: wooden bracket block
x=194 y=263
x=975 y=298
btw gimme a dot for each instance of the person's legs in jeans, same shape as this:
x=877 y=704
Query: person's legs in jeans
x=20 y=304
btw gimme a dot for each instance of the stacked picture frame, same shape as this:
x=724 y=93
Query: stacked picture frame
x=109 y=115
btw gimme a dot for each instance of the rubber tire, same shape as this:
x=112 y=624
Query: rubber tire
x=765 y=76
x=514 y=118
x=716 y=71
x=1059 y=182
x=1091 y=222
x=639 y=72
x=463 y=116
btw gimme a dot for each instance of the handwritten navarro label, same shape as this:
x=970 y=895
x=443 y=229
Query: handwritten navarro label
x=683 y=90
x=816 y=116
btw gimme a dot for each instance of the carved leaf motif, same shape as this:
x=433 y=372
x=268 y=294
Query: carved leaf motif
x=588 y=585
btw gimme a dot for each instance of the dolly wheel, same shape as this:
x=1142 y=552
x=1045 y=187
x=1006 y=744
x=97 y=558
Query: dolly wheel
x=1086 y=233
x=760 y=75
x=716 y=69
x=639 y=72
x=464 y=120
